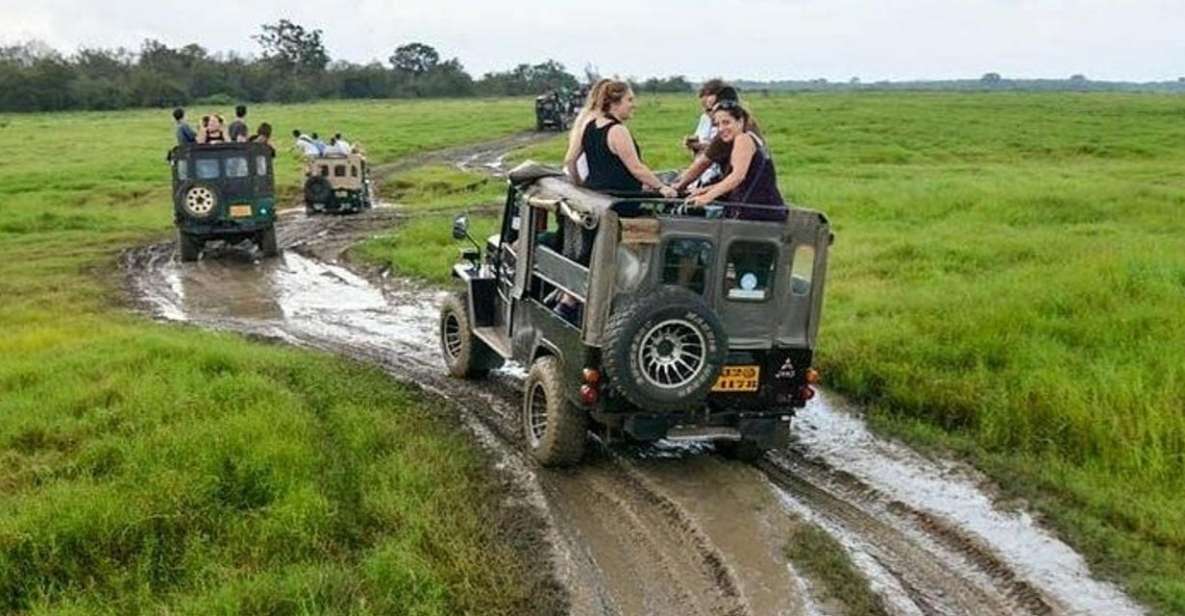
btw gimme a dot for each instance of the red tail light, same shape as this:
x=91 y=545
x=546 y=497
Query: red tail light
x=806 y=393
x=589 y=394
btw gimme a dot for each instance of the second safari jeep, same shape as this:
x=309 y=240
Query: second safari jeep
x=636 y=317
x=337 y=184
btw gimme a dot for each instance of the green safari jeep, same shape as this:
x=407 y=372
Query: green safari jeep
x=226 y=192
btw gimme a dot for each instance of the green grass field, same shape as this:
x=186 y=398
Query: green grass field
x=1008 y=281
x=158 y=468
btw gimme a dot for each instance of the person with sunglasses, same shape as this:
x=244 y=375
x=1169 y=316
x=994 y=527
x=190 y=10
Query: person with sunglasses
x=749 y=173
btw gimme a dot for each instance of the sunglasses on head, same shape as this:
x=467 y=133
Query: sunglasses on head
x=726 y=104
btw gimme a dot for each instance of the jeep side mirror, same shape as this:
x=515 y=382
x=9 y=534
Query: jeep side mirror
x=461 y=227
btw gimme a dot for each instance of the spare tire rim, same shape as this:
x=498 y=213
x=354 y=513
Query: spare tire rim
x=451 y=332
x=536 y=414
x=672 y=354
x=199 y=200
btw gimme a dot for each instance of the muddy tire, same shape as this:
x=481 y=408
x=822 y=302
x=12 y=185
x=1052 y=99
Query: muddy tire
x=267 y=243
x=466 y=356
x=554 y=428
x=664 y=350
x=189 y=246
x=744 y=451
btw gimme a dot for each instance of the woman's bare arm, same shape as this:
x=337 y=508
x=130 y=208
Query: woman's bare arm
x=697 y=168
x=621 y=144
x=743 y=149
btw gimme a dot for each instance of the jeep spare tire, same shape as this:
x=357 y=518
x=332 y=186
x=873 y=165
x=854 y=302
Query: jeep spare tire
x=317 y=190
x=664 y=350
x=200 y=200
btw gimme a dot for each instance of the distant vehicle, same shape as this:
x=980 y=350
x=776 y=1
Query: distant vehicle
x=338 y=184
x=551 y=112
x=639 y=317
x=224 y=192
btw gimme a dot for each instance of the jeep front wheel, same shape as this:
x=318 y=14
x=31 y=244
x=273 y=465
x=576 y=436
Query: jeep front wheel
x=555 y=428
x=664 y=350
x=465 y=355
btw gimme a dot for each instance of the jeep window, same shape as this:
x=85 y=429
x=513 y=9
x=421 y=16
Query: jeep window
x=802 y=270
x=261 y=166
x=207 y=168
x=324 y=171
x=237 y=167
x=749 y=273
x=353 y=171
x=339 y=171
x=182 y=169
x=685 y=262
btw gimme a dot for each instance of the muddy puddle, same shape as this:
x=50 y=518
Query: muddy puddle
x=670 y=529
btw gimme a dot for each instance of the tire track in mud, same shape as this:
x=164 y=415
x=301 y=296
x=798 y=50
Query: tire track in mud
x=661 y=530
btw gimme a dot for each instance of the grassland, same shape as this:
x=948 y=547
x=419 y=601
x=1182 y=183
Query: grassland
x=156 y=468
x=1008 y=281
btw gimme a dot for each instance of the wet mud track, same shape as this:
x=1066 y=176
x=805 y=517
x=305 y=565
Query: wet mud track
x=669 y=529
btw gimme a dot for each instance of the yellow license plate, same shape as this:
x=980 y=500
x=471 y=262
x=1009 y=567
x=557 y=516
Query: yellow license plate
x=738 y=378
x=240 y=211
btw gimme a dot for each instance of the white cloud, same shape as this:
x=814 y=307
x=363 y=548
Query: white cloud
x=1135 y=39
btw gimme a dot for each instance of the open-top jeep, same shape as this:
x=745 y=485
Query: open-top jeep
x=224 y=192
x=337 y=184
x=641 y=317
x=551 y=112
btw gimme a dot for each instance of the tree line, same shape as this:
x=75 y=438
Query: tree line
x=986 y=83
x=292 y=66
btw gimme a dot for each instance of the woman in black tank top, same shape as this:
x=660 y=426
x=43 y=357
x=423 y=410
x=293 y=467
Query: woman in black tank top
x=750 y=174
x=614 y=160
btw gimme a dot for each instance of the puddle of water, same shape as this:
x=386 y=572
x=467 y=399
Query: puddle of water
x=831 y=433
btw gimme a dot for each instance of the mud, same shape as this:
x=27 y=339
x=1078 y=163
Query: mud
x=669 y=529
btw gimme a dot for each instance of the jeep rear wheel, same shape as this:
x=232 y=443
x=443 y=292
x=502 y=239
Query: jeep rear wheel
x=664 y=350
x=189 y=246
x=267 y=243
x=555 y=429
x=465 y=355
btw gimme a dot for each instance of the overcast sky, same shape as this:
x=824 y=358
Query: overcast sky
x=757 y=39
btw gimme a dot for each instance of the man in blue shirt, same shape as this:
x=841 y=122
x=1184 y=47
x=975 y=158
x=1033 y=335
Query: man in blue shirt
x=185 y=134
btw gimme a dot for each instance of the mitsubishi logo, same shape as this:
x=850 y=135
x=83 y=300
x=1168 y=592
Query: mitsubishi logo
x=787 y=370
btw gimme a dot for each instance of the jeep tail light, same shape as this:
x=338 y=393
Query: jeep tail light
x=592 y=376
x=589 y=394
x=812 y=376
x=806 y=393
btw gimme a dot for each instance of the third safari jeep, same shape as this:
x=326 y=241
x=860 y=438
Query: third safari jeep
x=637 y=317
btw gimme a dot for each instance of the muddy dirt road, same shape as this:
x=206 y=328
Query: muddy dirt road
x=670 y=529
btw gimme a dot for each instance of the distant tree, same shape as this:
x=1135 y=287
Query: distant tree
x=855 y=81
x=676 y=83
x=991 y=79
x=415 y=58
x=1078 y=78
x=290 y=46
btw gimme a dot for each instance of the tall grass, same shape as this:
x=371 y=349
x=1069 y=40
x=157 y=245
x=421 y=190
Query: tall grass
x=1008 y=279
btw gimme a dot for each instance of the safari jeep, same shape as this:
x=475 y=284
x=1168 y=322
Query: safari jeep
x=224 y=192
x=551 y=113
x=337 y=184
x=639 y=317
